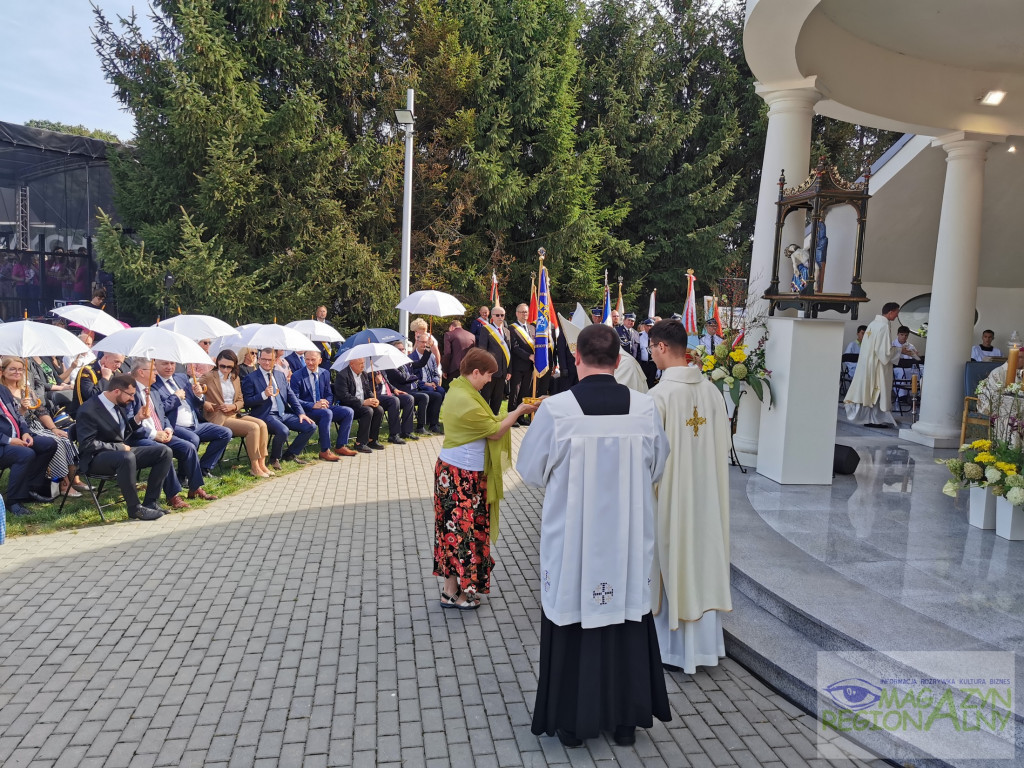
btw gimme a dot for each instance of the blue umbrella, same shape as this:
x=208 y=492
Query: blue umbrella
x=372 y=336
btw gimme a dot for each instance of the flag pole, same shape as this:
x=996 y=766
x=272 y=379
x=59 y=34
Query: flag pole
x=541 y=253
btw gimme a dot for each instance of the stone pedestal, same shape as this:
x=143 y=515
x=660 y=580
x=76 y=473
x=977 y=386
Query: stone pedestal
x=798 y=433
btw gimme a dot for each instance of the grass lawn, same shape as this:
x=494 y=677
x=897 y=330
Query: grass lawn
x=230 y=476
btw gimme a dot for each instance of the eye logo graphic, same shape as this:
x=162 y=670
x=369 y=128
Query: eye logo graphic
x=854 y=693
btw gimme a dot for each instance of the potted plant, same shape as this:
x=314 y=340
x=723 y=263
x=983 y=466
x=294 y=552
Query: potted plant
x=969 y=472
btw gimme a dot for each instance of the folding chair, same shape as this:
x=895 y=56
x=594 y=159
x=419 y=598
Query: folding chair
x=845 y=377
x=89 y=479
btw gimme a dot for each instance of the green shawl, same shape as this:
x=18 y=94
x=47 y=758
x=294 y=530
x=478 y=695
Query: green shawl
x=467 y=417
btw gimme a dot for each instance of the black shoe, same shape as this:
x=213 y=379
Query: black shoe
x=361 y=448
x=422 y=431
x=523 y=421
x=39 y=498
x=437 y=429
x=568 y=738
x=516 y=424
x=18 y=509
x=145 y=513
x=396 y=440
x=625 y=735
x=375 y=445
x=410 y=436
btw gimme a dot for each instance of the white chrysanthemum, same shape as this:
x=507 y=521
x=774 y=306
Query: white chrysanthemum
x=993 y=475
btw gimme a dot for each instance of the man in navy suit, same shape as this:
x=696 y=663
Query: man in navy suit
x=154 y=428
x=25 y=454
x=182 y=401
x=312 y=385
x=266 y=395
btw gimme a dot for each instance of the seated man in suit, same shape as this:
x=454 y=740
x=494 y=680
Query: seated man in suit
x=312 y=385
x=182 y=401
x=354 y=388
x=399 y=405
x=103 y=427
x=92 y=379
x=154 y=428
x=405 y=379
x=25 y=454
x=430 y=384
x=266 y=394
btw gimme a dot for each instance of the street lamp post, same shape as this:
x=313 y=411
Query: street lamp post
x=406 y=119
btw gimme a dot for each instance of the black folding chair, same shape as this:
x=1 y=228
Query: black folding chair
x=845 y=377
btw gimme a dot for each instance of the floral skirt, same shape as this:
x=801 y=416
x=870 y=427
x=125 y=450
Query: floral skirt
x=462 y=524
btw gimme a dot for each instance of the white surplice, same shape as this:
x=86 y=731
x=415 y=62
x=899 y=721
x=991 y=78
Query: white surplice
x=691 y=568
x=868 y=398
x=597 y=537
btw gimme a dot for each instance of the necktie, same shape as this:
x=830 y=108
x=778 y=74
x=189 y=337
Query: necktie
x=384 y=382
x=278 y=400
x=152 y=415
x=15 y=432
x=316 y=387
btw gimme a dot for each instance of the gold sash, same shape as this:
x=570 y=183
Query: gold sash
x=500 y=338
x=524 y=336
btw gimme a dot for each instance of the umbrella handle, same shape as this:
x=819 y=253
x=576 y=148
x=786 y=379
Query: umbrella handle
x=28 y=389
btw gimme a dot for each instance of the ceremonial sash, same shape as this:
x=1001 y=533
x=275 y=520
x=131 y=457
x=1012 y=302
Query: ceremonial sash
x=500 y=338
x=524 y=336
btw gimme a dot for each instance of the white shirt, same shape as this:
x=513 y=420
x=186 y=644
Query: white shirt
x=111 y=409
x=979 y=354
x=227 y=389
x=184 y=416
x=853 y=348
x=469 y=457
x=359 y=385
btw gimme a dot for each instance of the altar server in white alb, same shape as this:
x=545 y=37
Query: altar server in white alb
x=597 y=450
x=868 y=398
x=690 y=575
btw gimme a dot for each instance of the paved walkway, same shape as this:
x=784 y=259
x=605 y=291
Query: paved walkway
x=297 y=623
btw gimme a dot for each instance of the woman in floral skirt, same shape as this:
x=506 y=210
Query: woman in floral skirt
x=468 y=483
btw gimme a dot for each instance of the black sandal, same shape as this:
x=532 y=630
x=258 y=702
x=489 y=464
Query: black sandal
x=447 y=601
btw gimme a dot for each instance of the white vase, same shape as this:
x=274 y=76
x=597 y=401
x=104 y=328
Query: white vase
x=982 y=509
x=1009 y=520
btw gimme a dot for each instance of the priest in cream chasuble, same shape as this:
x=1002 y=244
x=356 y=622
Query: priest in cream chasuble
x=690 y=575
x=868 y=398
x=597 y=451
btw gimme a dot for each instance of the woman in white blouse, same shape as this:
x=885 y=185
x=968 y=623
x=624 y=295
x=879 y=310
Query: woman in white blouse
x=223 y=406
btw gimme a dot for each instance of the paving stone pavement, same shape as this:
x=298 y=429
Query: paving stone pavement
x=298 y=623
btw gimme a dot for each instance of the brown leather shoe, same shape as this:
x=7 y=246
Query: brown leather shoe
x=345 y=451
x=327 y=456
x=202 y=494
x=178 y=503
x=276 y=464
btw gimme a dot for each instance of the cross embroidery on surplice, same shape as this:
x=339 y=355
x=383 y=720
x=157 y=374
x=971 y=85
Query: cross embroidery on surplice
x=604 y=593
x=696 y=422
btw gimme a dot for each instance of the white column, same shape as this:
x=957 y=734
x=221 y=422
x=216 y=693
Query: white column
x=787 y=147
x=954 y=290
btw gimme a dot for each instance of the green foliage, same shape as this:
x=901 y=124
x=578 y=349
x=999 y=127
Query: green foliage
x=851 y=148
x=74 y=130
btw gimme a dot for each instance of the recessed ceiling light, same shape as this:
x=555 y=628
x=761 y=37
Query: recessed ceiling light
x=993 y=98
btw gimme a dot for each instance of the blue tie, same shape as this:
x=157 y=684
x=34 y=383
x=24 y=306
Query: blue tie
x=316 y=387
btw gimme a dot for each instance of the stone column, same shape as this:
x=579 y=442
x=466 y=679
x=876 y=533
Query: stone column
x=787 y=147
x=954 y=290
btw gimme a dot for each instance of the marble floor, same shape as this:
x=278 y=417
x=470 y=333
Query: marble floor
x=890 y=529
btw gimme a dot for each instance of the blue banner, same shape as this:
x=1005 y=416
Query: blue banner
x=542 y=333
x=606 y=316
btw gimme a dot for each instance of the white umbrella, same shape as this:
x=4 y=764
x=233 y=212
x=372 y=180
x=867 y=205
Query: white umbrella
x=276 y=337
x=153 y=343
x=26 y=338
x=196 y=327
x=314 y=330
x=435 y=303
x=381 y=356
x=90 y=318
x=232 y=341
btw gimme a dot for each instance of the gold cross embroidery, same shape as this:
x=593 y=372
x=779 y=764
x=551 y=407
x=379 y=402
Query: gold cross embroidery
x=696 y=422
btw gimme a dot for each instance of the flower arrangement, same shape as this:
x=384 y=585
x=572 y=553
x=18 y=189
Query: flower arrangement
x=922 y=331
x=729 y=364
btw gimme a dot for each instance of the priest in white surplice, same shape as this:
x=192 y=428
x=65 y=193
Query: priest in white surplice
x=690 y=576
x=868 y=398
x=597 y=450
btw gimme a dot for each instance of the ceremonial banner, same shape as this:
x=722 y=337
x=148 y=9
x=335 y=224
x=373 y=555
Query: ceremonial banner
x=606 y=316
x=494 y=289
x=690 y=310
x=542 y=334
x=650 y=304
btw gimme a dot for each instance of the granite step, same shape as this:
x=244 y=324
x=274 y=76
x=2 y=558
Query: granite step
x=790 y=606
